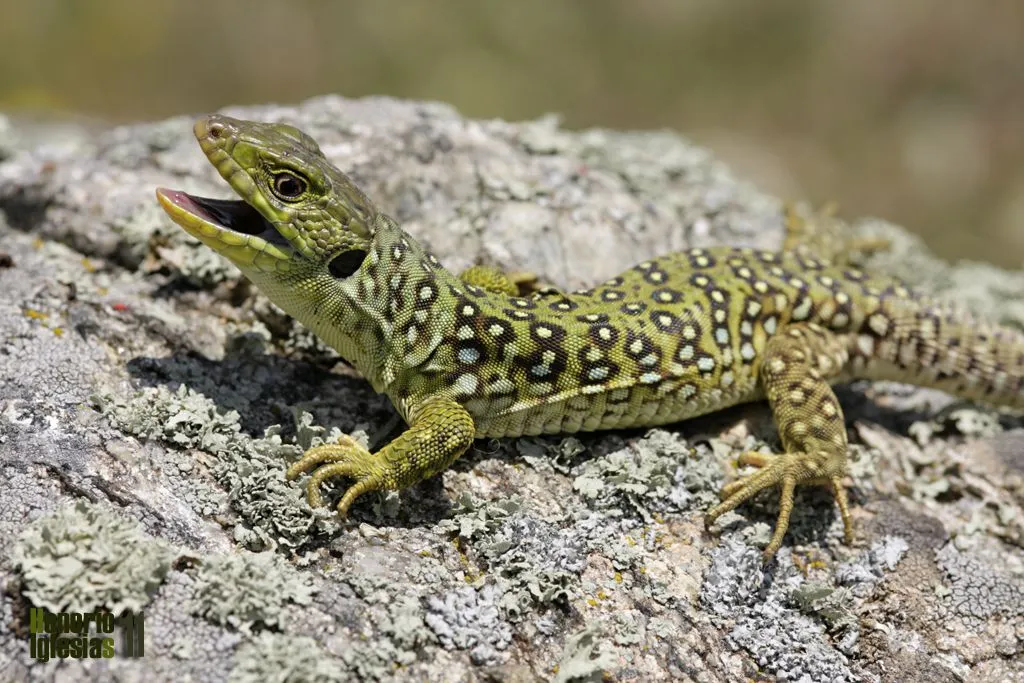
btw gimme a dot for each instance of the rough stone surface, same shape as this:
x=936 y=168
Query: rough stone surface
x=150 y=401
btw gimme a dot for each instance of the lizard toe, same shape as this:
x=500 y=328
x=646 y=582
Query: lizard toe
x=348 y=459
x=787 y=470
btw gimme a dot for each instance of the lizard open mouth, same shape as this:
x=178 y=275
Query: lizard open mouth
x=231 y=226
x=232 y=214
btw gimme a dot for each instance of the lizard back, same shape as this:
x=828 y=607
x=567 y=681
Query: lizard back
x=671 y=338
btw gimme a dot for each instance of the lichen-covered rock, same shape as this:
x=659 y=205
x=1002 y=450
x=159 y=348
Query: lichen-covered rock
x=83 y=557
x=150 y=401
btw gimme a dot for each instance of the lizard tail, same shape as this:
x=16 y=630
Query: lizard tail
x=948 y=349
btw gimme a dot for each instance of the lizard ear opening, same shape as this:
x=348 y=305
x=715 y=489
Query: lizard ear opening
x=346 y=263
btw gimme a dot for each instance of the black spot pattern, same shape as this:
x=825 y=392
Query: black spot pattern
x=498 y=333
x=517 y=314
x=547 y=333
x=595 y=367
x=655 y=276
x=642 y=350
x=603 y=335
x=700 y=259
x=666 y=295
x=522 y=303
x=563 y=305
x=666 y=321
x=633 y=307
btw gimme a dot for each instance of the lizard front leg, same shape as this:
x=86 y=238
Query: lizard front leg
x=513 y=283
x=794 y=372
x=498 y=281
x=440 y=430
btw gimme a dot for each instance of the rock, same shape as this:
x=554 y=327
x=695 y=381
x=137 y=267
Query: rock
x=150 y=401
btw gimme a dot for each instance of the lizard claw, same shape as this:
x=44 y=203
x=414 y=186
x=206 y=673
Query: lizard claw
x=347 y=458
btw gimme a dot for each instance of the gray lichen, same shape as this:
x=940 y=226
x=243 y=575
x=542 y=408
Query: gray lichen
x=863 y=573
x=83 y=557
x=534 y=561
x=781 y=640
x=957 y=419
x=978 y=590
x=285 y=659
x=273 y=512
x=249 y=590
x=585 y=658
x=658 y=473
x=468 y=618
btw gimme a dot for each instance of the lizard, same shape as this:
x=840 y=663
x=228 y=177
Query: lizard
x=469 y=356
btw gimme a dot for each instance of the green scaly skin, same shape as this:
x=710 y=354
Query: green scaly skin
x=672 y=338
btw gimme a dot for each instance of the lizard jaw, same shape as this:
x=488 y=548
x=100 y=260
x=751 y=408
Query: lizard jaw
x=231 y=227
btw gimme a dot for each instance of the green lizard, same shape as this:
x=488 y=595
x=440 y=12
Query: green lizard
x=682 y=335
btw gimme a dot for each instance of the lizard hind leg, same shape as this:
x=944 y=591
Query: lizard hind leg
x=823 y=235
x=793 y=374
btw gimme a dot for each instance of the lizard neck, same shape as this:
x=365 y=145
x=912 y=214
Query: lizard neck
x=389 y=318
x=386 y=319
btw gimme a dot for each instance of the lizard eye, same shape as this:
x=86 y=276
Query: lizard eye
x=346 y=263
x=288 y=185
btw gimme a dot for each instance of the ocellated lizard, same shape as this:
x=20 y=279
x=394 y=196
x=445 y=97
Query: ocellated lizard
x=675 y=337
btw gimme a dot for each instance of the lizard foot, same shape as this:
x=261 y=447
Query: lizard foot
x=440 y=431
x=347 y=458
x=786 y=470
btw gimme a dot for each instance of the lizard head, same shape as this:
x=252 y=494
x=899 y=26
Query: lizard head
x=297 y=216
x=301 y=231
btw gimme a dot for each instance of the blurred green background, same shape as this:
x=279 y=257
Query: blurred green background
x=911 y=110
